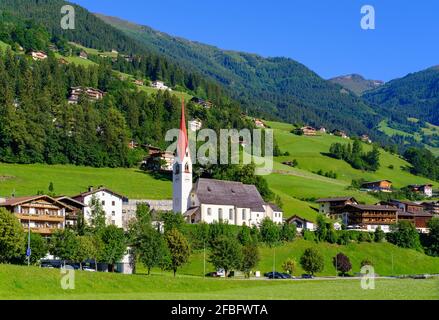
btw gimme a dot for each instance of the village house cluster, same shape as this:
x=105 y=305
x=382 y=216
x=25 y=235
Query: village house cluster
x=383 y=214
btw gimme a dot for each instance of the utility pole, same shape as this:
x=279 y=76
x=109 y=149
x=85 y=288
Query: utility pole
x=28 y=251
x=204 y=262
x=274 y=260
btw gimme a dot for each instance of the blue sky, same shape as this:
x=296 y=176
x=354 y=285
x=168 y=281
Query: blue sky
x=325 y=35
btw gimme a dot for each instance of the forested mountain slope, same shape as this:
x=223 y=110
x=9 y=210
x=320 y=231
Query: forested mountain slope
x=415 y=95
x=275 y=86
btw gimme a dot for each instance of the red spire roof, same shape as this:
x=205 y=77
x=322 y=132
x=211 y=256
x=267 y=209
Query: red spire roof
x=182 y=137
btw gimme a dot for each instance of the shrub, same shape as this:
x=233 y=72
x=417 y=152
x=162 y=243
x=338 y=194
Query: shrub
x=308 y=235
x=343 y=238
x=289 y=266
x=379 y=235
x=342 y=263
x=270 y=232
x=312 y=261
x=11 y=236
x=366 y=262
x=405 y=235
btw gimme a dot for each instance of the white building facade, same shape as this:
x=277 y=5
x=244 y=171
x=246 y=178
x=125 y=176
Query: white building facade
x=111 y=203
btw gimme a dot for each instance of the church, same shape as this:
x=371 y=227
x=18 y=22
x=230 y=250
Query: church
x=210 y=200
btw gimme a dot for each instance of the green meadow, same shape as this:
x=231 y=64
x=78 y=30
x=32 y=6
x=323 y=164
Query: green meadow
x=298 y=186
x=388 y=259
x=25 y=180
x=32 y=283
x=429 y=130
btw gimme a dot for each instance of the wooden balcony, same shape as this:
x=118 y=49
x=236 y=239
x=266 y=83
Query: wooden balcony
x=42 y=218
x=44 y=231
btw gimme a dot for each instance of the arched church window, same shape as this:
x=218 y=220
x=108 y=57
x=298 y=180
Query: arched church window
x=186 y=168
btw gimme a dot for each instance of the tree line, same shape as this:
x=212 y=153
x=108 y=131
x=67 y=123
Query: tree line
x=354 y=155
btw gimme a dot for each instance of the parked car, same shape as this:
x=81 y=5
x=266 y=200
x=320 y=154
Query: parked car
x=88 y=269
x=221 y=273
x=217 y=274
x=307 y=276
x=275 y=275
x=287 y=276
x=47 y=265
x=73 y=266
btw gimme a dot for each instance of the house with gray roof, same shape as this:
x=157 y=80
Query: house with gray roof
x=232 y=202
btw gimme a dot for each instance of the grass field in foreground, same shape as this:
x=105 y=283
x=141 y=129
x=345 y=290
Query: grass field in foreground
x=32 y=283
x=405 y=261
x=26 y=180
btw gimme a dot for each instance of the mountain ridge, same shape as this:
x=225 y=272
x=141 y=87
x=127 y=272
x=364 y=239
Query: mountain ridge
x=356 y=83
x=275 y=87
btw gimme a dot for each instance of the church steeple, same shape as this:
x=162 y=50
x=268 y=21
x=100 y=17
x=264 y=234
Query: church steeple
x=182 y=169
x=182 y=146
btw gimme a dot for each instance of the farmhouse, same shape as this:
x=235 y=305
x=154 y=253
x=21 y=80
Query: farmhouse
x=419 y=220
x=211 y=200
x=201 y=102
x=159 y=161
x=412 y=212
x=378 y=186
x=424 y=189
x=42 y=214
x=329 y=206
x=431 y=207
x=259 y=123
x=38 y=55
x=365 y=138
x=133 y=145
x=111 y=203
x=322 y=130
x=369 y=217
x=404 y=206
x=160 y=85
x=83 y=55
x=138 y=82
x=91 y=93
x=308 y=131
x=195 y=125
x=301 y=224
x=340 y=133
x=74 y=210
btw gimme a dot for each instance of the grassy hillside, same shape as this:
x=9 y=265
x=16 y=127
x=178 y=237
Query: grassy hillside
x=70 y=180
x=297 y=186
x=429 y=130
x=309 y=153
x=381 y=255
x=32 y=283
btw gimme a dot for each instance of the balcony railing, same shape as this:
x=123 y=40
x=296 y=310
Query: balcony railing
x=35 y=217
